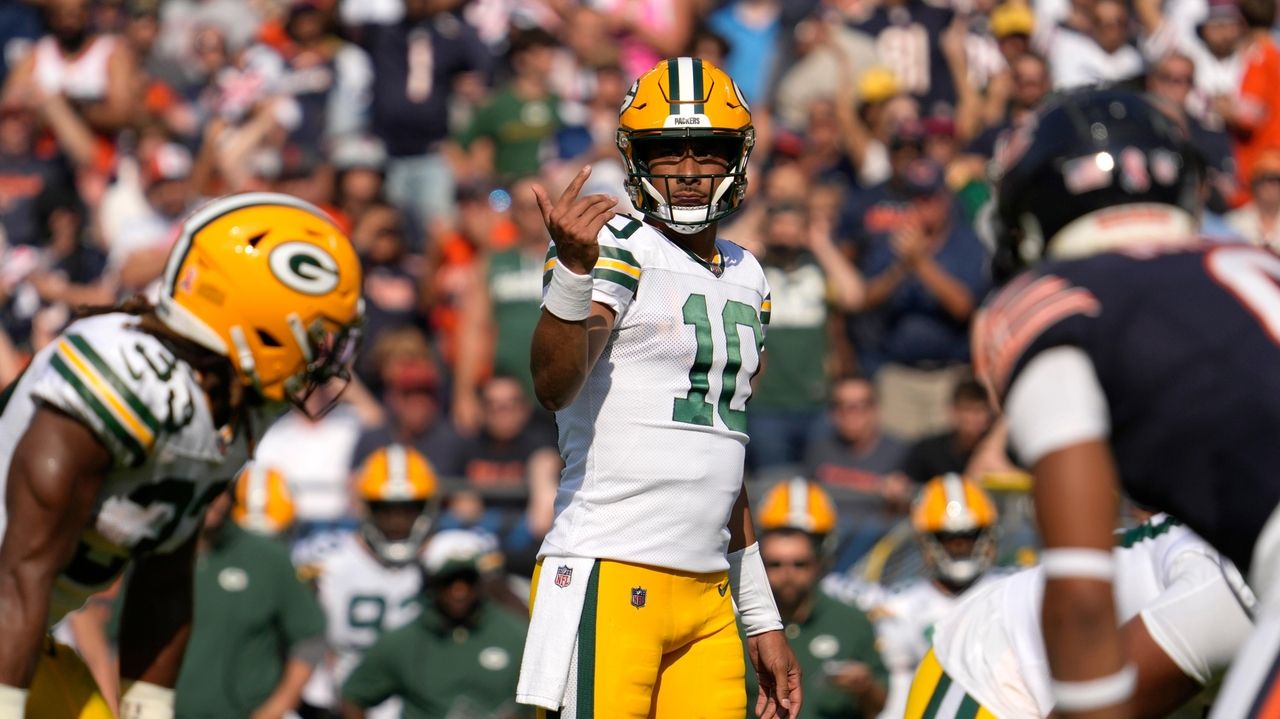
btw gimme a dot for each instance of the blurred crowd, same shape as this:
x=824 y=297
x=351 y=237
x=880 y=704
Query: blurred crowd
x=421 y=125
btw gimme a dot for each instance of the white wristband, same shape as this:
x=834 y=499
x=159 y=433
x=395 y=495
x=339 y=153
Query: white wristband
x=13 y=702
x=1079 y=563
x=568 y=295
x=1095 y=693
x=144 y=700
x=752 y=594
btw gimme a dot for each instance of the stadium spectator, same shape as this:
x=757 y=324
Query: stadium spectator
x=647 y=31
x=753 y=29
x=460 y=657
x=328 y=78
x=258 y=632
x=858 y=454
x=315 y=455
x=412 y=390
x=1029 y=76
x=1214 y=46
x=359 y=164
x=808 y=278
x=420 y=64
x=513 y=133
x=514 y=453
x=1102 y=53
x=971 y=418
x=1258 y=221
x=1253 y=116
x=26 y=170
x=923 y=284
x=1012 y=25
x=499 y=313
x=907 y=35
x=138 y=247
x=825 y=51
x=392 y=275
x=843 y=674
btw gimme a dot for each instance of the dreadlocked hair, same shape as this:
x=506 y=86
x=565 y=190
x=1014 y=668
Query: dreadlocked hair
x=228 y=397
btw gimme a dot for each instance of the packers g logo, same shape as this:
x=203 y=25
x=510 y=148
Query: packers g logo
x=304 y=267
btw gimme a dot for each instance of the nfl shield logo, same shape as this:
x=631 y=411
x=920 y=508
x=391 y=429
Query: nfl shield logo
x=638 y=596
x=564 y=575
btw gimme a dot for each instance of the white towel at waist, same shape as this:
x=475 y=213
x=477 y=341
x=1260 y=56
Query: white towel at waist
x=553 y=631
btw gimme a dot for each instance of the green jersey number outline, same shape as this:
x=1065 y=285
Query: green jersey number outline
x=695 y=407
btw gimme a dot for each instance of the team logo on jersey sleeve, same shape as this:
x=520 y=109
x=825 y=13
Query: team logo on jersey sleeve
x=564 y=575
x=638 y=597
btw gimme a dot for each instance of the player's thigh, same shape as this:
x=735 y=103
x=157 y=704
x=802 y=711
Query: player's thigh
x=63 y=688
x=619 y=643
x=705 y=679
x=934 y=695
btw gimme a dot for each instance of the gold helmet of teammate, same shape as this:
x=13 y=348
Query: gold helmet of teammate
x=955 y=521
x=396 y=485
x=798 y=503
x=685 y=100
x=271 y=283
x=262 y=502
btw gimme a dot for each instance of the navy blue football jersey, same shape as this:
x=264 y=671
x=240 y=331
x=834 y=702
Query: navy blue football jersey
x=908 y=41
x=1186 y=347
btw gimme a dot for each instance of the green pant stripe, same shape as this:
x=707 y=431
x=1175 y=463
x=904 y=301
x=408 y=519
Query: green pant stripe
x=935 y=701
x=587 y=647
x=968 y=708
x=114 y=380
x=126 y=440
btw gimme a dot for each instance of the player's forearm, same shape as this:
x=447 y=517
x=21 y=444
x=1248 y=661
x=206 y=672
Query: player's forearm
x=1081 y=638
x=954 y=297
x=156 y=622
x=558 y=360
x=351 y=711
x=871 y=702
x=742 y=533
x=24 y=611
x=288 y=692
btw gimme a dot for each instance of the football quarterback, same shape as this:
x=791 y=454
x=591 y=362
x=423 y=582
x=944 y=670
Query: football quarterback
x=126 y=426
x=648 y=340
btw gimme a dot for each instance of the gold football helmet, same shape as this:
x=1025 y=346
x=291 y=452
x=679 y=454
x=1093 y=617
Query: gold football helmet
x=685 y=99
x=262 y=500
x=798 y=503
x=955 y=521
x=396 y=485
x=268 y=281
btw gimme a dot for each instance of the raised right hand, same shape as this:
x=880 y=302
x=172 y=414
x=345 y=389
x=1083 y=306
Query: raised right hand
x=574 y=222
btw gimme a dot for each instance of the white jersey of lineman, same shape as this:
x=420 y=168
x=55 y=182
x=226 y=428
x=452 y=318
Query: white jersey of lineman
x=1188 y=596
x=361 y=598
x=653 y=445
x=147 y=408
x=904 y=628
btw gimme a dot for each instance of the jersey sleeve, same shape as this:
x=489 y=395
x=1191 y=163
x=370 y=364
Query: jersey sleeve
x=617 y=272
x=1033 y=313
x=1196 y=589
x=120 y=384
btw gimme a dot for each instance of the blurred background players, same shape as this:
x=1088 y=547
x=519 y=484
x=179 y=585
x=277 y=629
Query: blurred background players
x=955 y=524
x=1185 y=612
x=843 y=674
x=368 y=582
x=258 y=632
x=460 y=656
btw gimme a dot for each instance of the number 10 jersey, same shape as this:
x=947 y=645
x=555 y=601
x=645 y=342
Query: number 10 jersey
x=654 y=443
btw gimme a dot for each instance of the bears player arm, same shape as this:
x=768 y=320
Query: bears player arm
x=57 y=470
x=1058 y=424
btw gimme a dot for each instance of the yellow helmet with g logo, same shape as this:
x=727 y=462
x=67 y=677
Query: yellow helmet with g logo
x=955 y=521
x=685 y=99
x=270 y=282
x=395 y=485
x=262 y=500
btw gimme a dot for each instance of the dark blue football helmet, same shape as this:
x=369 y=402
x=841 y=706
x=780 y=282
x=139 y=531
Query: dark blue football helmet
x=1085 y=151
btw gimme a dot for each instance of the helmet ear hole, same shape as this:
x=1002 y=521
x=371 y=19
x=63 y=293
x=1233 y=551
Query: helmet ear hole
x=267 y=339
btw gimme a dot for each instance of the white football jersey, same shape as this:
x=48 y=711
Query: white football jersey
x=904 y=629
x=993 y=647
x=653 y=444
x=361 y=598
x=147 y=408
